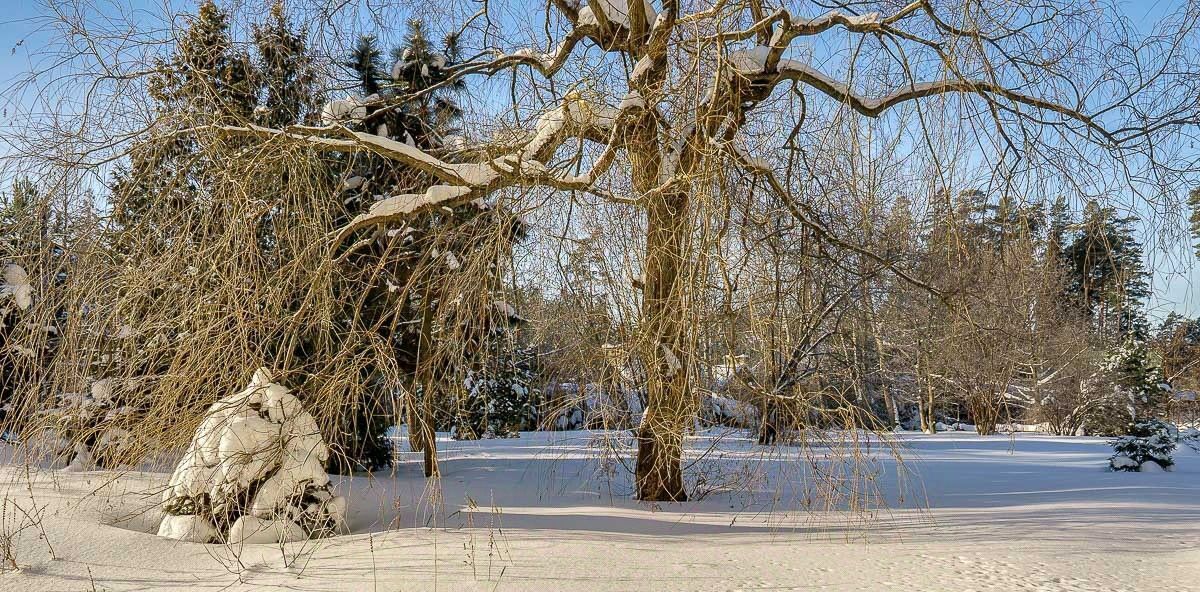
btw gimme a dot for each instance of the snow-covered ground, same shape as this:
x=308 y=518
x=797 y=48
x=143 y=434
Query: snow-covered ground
x=540 y=512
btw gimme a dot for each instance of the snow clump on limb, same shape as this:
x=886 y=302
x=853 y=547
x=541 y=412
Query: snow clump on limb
x=348 y=110
x=254 y=473
x=14 y=284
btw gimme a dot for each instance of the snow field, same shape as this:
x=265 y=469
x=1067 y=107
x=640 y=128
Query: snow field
x=551 y=511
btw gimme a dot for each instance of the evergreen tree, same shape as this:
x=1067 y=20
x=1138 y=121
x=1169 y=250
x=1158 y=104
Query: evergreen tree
x=497 y=401
x=1058 y=225
x=411 y=267
x=1138 y=377
x=16 y=291
x=168 y=192
x=207 y=80
x=419 y=67
x=1108 y=279
x=286 y=73
x=366 y=60
x=1146 y=441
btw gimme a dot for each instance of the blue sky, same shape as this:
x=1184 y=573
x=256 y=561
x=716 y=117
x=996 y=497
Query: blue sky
x=1176 y=282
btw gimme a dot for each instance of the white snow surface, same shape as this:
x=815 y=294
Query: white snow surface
x=1024 y=513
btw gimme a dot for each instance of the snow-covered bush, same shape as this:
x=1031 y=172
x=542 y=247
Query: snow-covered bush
x=1148 y=441
x=726 y=411
x=92 y=426
x=254 y=473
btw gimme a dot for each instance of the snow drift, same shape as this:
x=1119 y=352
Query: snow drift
x=254 y=473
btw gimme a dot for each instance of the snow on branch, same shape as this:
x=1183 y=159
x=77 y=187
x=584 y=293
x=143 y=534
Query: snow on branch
x=14 y=283
x=351 y=141
x=792 y=27
x=524 y=165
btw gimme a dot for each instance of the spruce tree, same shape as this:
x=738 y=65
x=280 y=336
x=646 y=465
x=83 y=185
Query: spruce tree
x=1138 y=377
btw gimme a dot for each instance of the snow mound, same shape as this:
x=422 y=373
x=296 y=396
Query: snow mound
x=254 y=473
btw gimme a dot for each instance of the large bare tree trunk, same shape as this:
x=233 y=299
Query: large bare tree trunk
x=660 y=439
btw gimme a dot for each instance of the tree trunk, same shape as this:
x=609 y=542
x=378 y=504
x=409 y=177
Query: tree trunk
x=422 y=436
x=429 y=437
x=660 y=437
x=928 y=418
x=889 y=402
x=412 y=417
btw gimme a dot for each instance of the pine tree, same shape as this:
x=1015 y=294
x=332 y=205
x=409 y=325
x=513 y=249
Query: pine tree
x=366 y=60
x=1108 y=278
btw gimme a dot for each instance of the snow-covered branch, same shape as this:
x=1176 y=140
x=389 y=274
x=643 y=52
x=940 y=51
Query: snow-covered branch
x=525 y=165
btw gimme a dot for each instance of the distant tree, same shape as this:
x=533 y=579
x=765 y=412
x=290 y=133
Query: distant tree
x=1108 y=278
x=1177 y=342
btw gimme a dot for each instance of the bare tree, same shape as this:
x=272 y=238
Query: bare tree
x=675 y=98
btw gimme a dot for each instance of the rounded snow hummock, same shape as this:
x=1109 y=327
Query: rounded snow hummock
x=253 y=473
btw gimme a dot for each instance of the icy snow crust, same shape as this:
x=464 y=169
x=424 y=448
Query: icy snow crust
x=258 y=445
